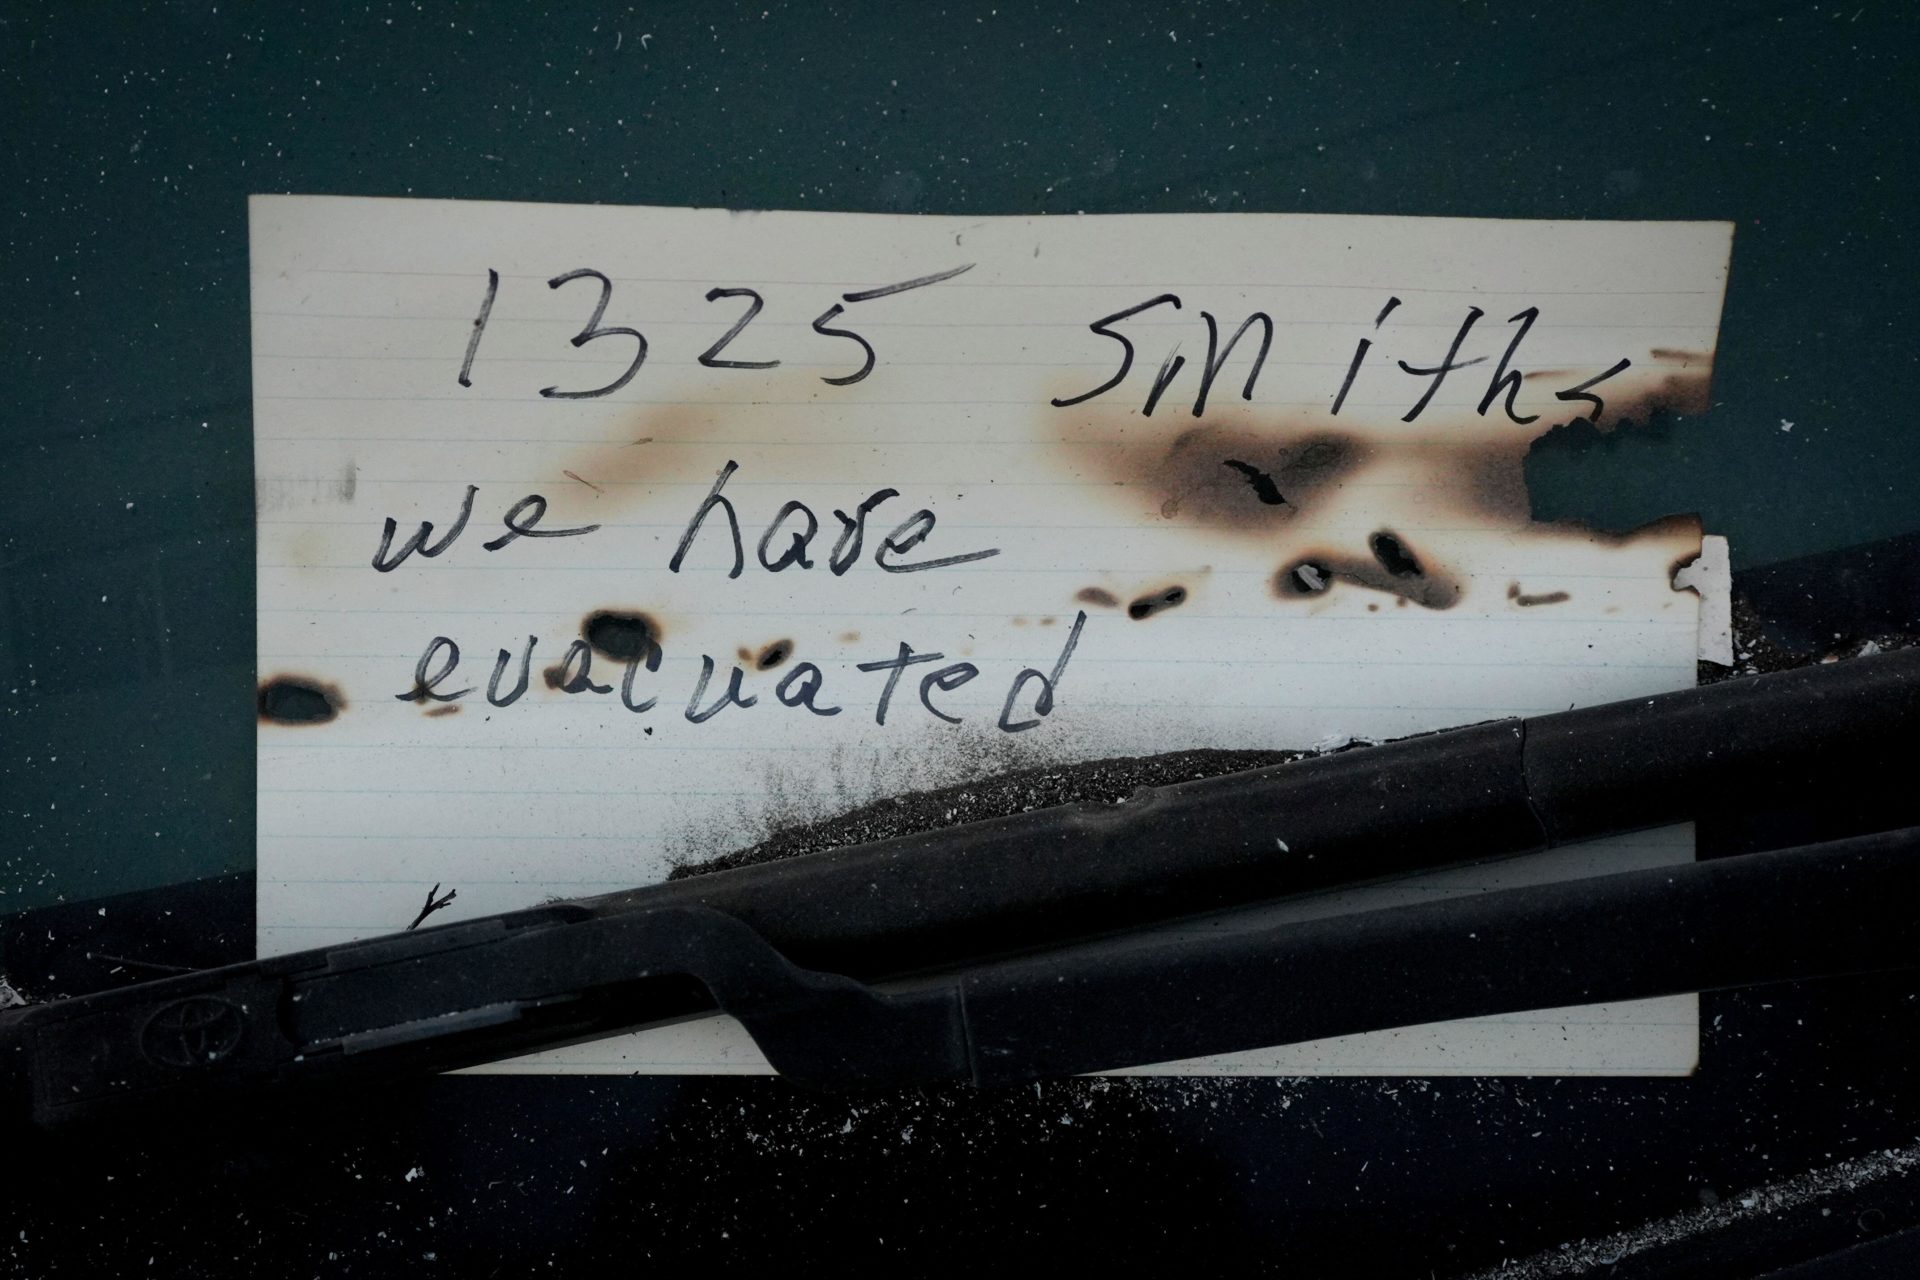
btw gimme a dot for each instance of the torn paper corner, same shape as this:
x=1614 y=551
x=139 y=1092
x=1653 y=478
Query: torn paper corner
x=1710 y=576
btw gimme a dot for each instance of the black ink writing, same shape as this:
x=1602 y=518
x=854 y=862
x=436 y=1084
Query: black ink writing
x=893 y=667
x=711 y=356
x=592 y=330
x=418 y=542
x=426 y=684
x=1049 y=684
x=732 y=695
x=517 y=528
x=1102 y=326
x=479 y=327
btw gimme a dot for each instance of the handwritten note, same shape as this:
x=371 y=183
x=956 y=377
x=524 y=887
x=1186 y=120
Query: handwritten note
x=596 y=540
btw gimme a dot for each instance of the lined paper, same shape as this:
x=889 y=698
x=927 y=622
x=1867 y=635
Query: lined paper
x=1223 y=576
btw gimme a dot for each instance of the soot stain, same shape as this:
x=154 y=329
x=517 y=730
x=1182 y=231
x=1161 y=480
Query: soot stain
x=1242 y=479
x=772 y=655
x=443 y=709
x=1157 y=602
x=1684 y=526
x=619 y=634
x=1099 y=596
x=291 y=699
x=1687 y=393
x=555 y=675
x=997 y=795
x=1528 y=600
x=1491 y=480
x=1233 y=477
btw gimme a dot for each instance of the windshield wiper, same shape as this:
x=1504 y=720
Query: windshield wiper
x=1096 y=936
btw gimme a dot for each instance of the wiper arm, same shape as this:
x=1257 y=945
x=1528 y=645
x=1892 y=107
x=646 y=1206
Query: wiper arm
x=794 y=948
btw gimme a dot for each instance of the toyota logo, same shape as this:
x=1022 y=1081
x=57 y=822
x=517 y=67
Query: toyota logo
x=196 y=1032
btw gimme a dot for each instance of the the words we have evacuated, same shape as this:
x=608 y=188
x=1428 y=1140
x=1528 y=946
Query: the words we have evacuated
x=786 y=544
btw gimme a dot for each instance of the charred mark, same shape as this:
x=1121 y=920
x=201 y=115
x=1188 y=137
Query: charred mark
x=1315 y=574
x=299 y=700
x=1688 y=393
x=849 y=637
x=1308 y=578
x=443 y=709
x=1527 y=601
x=622 y=635
x=772 y=655
x=1097 y=596
x=1648 y=405
x=1263 y=485
x=1681 y=528
x=580 y=479
x=1240 y=478
x=1156 y=602
x=1681 y=354
x=1394 y=556
x=555 y=675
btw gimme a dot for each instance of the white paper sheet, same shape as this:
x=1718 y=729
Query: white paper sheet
x=1442 y=602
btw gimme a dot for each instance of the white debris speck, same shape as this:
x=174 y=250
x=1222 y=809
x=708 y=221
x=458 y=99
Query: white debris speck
x=1579 y=1257
x=1340 y=741
x=1785 y=425
x=415 y=1172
